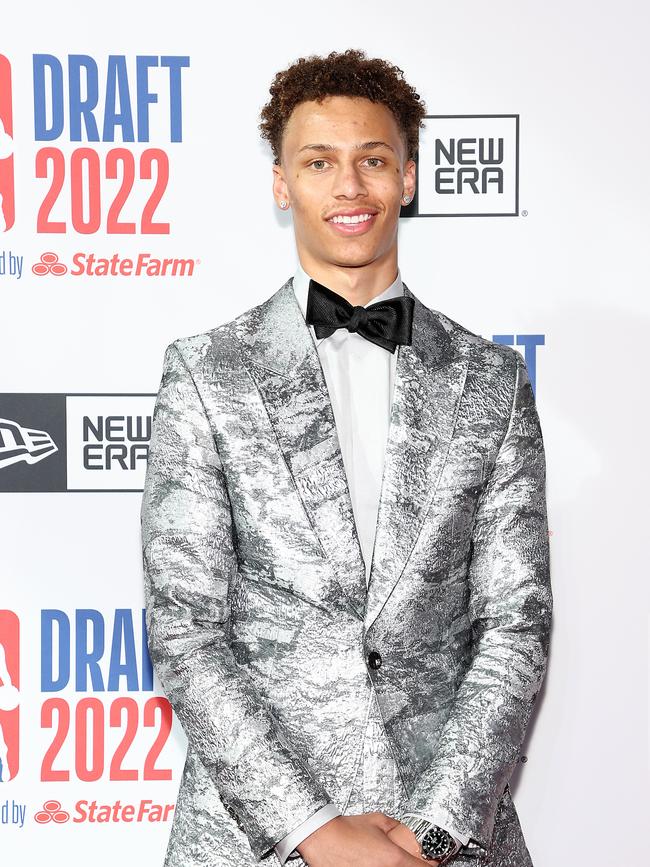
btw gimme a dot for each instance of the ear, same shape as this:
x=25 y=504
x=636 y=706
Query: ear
x=409 y=178
x=280 y=189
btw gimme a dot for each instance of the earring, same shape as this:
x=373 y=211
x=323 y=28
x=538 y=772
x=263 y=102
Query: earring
x=406 y=199
x=284 y=204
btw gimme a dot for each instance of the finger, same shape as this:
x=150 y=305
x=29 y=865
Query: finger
x=413 y=861
x=408 y=860
x=381 y=820
x=394 y=822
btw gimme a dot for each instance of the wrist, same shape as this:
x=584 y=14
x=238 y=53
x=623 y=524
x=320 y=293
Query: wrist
x=315 y=839
x=436 y=843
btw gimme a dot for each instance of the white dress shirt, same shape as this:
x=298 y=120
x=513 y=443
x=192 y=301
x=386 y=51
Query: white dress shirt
x=360 y=377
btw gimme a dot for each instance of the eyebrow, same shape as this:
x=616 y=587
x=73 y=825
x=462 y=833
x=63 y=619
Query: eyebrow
x=365 y=146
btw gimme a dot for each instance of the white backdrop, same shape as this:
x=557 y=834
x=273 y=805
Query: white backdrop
x=570 y=264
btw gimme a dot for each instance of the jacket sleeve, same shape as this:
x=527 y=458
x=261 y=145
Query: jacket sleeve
x=189 y=557
x=510 y=607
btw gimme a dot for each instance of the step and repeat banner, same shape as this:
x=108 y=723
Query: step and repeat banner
x=136 y=207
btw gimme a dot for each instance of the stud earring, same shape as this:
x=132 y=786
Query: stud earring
x=284 y=204
x=406 y=199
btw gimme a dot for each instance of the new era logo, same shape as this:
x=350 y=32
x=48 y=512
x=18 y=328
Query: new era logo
x=467 y=166
x=19 y=443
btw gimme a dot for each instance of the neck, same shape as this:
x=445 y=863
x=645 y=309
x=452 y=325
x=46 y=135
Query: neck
x=357 y=284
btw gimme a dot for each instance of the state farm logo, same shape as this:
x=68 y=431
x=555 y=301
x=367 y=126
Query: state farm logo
x=93 y=812
x=49 y=264
x=7 y=202
x=52 y=812
x=91 y=265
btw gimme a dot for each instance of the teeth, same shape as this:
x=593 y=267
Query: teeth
x=361 y=218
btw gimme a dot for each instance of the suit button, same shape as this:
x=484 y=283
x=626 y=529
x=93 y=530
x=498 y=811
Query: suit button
x=374 y=659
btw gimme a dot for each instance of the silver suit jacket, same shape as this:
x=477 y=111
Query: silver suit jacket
x=259 y=624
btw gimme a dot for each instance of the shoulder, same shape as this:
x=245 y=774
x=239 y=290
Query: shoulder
x=218 y=346
x=493 y=368
x=478 y=348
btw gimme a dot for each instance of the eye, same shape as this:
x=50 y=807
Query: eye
x=323 y=162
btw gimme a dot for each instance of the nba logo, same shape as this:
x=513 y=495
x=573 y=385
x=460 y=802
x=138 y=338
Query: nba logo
x=7 y=202
x=9 y=694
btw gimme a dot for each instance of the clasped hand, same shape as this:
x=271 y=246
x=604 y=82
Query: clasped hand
x=365 y=840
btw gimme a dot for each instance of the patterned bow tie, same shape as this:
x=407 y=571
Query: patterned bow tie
x=385 y=323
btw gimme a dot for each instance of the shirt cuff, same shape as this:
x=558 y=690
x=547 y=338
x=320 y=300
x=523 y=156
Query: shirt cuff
x=286 y=847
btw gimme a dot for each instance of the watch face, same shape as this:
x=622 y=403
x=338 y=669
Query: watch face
x=437 y=843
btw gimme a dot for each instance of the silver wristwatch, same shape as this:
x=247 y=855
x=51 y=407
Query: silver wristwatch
x=435 y=843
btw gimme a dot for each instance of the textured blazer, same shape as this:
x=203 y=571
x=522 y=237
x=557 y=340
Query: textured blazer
x=259 y=623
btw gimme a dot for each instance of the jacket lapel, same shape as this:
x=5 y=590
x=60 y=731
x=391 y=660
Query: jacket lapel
x=278 y=349
x=282 y=359
x=429 y=381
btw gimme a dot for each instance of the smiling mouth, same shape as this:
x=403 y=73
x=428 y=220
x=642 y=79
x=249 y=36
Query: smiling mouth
x=354 y=225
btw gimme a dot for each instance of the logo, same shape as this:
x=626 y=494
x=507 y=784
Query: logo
x=144 y=810
x=49 y=264
x=52 y=812
x=21 y=444
x=74 y=442
x=467 y=166
x=123 y=129
x=7 y=203
x=90 y=265
x=9 y=695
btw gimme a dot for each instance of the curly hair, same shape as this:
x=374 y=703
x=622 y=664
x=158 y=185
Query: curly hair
x=347 y=73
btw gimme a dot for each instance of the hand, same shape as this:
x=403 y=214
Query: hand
x=404 y=837
x=361 y=840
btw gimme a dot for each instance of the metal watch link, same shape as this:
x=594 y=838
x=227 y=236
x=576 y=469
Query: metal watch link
x=436 y=843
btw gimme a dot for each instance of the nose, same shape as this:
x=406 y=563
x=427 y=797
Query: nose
x=348 y=181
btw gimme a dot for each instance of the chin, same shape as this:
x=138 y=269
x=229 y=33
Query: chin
x=355 y=253
x=356 y=262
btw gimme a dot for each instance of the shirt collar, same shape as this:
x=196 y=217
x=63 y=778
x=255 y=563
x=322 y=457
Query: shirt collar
x=301 y=289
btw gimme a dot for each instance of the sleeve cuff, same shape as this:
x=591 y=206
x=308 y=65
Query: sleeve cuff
x=286 y=847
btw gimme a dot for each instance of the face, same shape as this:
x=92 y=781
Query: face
x=345 y=155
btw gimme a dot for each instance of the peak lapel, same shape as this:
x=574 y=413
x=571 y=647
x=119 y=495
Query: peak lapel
x=429 y=382
x=284 y=363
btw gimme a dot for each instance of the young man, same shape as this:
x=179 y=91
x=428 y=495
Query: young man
x=344 y=531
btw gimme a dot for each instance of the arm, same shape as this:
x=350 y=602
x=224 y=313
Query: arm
x=510 y=606
x=189 y=556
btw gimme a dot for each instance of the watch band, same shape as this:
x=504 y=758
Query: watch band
x=435 y=842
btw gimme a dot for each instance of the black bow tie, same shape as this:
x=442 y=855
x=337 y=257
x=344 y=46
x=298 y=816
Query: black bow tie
x=385 y=323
